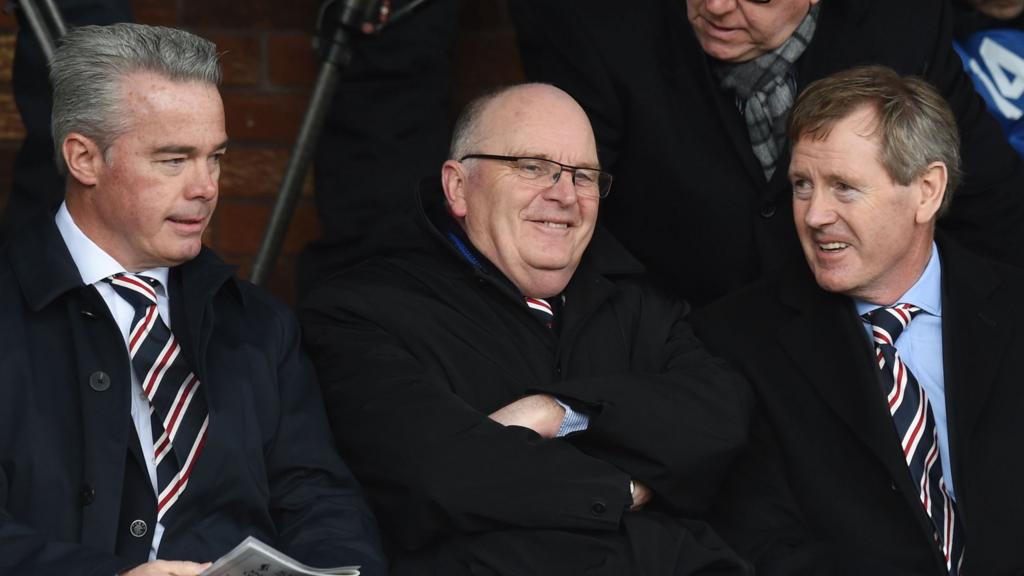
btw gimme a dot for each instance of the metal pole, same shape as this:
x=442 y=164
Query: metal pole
x=338 y=57
x=39 y=27
x=312 y=123
x=55 y=18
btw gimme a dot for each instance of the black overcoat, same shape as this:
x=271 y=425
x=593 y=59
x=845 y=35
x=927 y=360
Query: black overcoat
x=824 y=488
x=414 y=351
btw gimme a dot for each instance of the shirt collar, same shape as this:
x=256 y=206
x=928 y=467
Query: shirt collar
x=93 y=263
x=926 y=293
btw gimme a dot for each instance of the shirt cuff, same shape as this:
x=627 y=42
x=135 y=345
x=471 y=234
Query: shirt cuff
x=573 y=421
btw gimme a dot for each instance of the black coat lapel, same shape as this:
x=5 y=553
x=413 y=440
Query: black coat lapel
x=974 y=342
x=829 y=344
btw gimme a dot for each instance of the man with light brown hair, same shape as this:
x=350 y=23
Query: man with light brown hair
x=887 y=365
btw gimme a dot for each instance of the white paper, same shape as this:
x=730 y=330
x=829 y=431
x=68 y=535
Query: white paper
x=254 y=558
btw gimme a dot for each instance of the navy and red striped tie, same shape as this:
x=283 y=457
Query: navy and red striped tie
x=911 y=413
x=177 y=409
x=542 y=311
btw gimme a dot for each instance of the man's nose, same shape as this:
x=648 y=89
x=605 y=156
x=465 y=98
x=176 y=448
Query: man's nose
x=820 y=211
x=563 y=189
x=204 y=181
x=719 y=7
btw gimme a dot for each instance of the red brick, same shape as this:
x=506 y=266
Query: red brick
x=250 y=14
x=7 y=19
x=241 y=57
x=241 y=226
x=6 y=56
x=273 y=117
x=155 y=12
x=256 y=173
x=8 y=150
x=11 y=127
x=291 y=60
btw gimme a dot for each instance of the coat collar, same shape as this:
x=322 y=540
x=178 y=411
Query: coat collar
x=45 y=270
x=591 y=285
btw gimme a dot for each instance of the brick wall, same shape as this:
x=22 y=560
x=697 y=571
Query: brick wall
x=269 y=69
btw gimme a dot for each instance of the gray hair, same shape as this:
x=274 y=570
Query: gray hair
x=915 y=124
x=91 y=62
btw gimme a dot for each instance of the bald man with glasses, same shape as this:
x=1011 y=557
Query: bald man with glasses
x=515 y=397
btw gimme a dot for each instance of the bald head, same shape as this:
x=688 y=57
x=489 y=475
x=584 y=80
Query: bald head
x=500 y=111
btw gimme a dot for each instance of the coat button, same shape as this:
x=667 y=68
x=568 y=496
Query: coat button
x=598 y=508
x=138 y=528
x=893 y=487
x=99 y=381
x=88 y=494
x=768 y=210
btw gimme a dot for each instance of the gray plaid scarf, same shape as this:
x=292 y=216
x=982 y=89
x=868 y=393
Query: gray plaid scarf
x=765 y=91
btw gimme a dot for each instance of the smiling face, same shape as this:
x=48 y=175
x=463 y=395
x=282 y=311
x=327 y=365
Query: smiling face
x=147 y=201
x=740 y=30
x=863 y=234
x=534 y=235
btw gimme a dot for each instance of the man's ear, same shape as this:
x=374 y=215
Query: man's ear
x=932 y=186
x=454 y=181
x=83 y=158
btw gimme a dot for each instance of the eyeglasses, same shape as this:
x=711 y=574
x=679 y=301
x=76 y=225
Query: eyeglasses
x=589 y=182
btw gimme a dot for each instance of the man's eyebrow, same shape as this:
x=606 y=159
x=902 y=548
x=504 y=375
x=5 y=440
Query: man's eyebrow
x=182 y=149
x=548 y=157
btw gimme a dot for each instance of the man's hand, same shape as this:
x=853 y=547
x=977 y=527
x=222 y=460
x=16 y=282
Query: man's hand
x=641 y=495
x=538 y=412
x=167 y=568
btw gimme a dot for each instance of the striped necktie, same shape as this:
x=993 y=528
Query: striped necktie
x=177 y=409
x=542 y=311
x=911 y=413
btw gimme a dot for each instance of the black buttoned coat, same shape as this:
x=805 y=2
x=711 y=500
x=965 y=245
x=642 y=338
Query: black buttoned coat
x=67 y=439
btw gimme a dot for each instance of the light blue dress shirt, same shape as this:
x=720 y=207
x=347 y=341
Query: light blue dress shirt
x=920 y=346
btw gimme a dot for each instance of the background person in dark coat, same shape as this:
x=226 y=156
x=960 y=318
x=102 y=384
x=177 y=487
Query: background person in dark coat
x=493 y=441
x=693 y=201
x=141 y=127
x=825 y=487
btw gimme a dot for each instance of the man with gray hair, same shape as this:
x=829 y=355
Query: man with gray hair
x=154 y=409
x=887 y=366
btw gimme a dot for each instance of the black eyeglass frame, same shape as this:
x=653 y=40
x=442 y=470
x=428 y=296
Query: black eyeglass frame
x=602 y=190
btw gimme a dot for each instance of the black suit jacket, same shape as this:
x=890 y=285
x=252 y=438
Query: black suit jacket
x=824 y=487
x=66 y=436
x=690 y=199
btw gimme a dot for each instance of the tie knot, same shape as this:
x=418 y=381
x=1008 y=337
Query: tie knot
x=139 y=291
x=888 y=322
x=542 y=310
